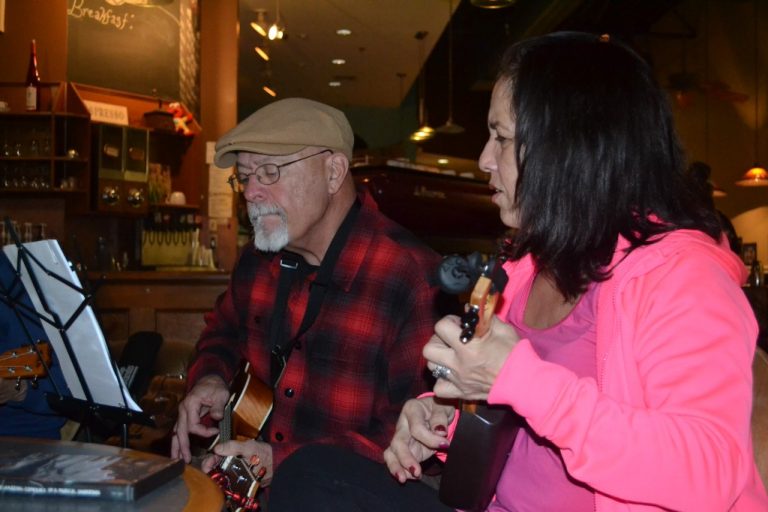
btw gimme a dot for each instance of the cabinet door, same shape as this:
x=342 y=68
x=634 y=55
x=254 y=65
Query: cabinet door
x=136 y=153
x=108 y=140
x=71 y=152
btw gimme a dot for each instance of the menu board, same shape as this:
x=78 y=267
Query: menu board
x=120 y=44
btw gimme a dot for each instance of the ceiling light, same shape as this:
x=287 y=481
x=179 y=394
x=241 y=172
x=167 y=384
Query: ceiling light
x=334 y=83
x=338 y=62
x=344 y=32
x=443 y=161
x=259 y=29
x=262 y=53
x=492 y=4
x=269 y=91
x=425 y=132
x=275 y=32
x=755 y=177
x=260 y=23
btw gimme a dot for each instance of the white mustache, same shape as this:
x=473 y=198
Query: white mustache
x=256 y=211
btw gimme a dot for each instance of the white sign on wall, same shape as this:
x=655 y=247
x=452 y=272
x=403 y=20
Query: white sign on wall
x=107 y=112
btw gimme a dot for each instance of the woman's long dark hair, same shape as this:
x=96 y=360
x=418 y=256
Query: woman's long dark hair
x=597 y=156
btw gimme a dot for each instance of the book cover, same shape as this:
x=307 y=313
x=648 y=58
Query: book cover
x=34 y=467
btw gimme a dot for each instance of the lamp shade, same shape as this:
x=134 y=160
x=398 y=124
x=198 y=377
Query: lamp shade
x=755 y=177
x=425 y=132
x=717 y=190
x=492 y=4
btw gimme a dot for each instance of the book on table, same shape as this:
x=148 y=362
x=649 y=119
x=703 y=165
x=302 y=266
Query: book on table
x=33 y=467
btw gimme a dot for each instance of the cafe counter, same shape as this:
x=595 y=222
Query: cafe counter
x=171 y=303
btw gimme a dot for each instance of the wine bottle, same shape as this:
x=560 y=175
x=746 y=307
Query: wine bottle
x=33 y=80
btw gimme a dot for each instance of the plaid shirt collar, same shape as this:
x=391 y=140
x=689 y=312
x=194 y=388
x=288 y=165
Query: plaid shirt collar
x=351 y=258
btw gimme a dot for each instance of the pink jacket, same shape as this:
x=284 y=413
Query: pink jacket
x=667 y=423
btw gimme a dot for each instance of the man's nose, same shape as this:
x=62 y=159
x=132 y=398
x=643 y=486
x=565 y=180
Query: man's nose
x=253 y=190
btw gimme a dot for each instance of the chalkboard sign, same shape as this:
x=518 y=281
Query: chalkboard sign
x=122 y=45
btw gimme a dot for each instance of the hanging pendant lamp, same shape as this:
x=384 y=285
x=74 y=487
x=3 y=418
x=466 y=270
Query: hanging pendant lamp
x=756 y=176
x=492 y=4
x=277 y=29
x=450 y=127
x=424 y=132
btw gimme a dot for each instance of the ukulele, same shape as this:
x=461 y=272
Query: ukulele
x=25 y=362
x=484 y=433
x=245 y=414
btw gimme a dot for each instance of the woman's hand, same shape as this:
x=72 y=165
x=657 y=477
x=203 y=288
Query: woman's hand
x=473 y=366
x=421 y=430
x=255 y=453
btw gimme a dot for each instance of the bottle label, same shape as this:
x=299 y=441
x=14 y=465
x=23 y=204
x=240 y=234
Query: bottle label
x=31 y=97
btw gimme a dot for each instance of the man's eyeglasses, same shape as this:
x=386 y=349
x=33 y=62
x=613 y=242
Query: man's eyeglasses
x=267 y=174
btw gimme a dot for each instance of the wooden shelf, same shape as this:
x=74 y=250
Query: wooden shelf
x=42 y=139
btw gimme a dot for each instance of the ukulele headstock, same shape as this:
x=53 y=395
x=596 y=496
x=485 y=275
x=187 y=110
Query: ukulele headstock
x=25 y=361
x=238 y=482
x=245 y=414
x=456 y=276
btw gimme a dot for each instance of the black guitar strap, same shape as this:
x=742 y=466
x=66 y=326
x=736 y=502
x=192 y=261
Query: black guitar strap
x=291 y=265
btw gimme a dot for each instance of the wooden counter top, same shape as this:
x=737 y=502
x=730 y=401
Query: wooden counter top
x=172 y=303
x=129 y=276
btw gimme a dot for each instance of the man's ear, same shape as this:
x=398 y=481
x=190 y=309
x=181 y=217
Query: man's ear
x=337 y=169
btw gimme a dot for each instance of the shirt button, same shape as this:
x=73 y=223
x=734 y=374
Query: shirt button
x=289 y=392
x=279 y=436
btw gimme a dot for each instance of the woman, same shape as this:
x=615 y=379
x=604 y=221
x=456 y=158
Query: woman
x=623 y=338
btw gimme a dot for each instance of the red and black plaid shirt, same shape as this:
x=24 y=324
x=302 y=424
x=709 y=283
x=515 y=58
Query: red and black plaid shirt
x=350 y=373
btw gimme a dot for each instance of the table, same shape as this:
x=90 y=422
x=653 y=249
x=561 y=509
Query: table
x=193 y=492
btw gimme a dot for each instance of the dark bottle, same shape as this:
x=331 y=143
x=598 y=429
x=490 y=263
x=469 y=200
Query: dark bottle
x=33 y=80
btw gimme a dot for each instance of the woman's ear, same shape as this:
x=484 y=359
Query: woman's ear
x=337 y=169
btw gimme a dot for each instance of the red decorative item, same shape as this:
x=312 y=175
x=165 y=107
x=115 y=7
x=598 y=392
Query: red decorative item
x=182 y=118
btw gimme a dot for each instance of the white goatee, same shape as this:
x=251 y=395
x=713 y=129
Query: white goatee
x=264 y=240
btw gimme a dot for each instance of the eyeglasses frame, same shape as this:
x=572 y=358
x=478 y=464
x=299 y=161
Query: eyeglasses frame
x=239 y=181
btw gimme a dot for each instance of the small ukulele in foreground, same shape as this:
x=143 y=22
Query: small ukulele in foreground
x=484 y=433
x=248 y=409
x=26 y=362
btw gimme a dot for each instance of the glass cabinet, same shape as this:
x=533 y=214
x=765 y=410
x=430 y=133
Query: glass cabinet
x=48 y=150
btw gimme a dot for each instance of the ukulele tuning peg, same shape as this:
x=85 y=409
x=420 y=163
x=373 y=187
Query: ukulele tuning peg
x=470 y=319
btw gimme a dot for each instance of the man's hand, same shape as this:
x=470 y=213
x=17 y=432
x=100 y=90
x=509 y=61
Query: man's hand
x=9 y=393
x=256 y=453
x=209 y=396
x=420 y=431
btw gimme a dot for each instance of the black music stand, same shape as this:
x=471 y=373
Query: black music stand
x=64 y=309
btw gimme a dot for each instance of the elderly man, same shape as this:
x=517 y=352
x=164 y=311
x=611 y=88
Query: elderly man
x=346 y=353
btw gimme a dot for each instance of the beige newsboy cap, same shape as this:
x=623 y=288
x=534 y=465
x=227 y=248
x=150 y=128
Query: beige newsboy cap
x=285 y=127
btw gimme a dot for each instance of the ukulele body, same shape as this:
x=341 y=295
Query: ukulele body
x=478 y=452
x=484 y=433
